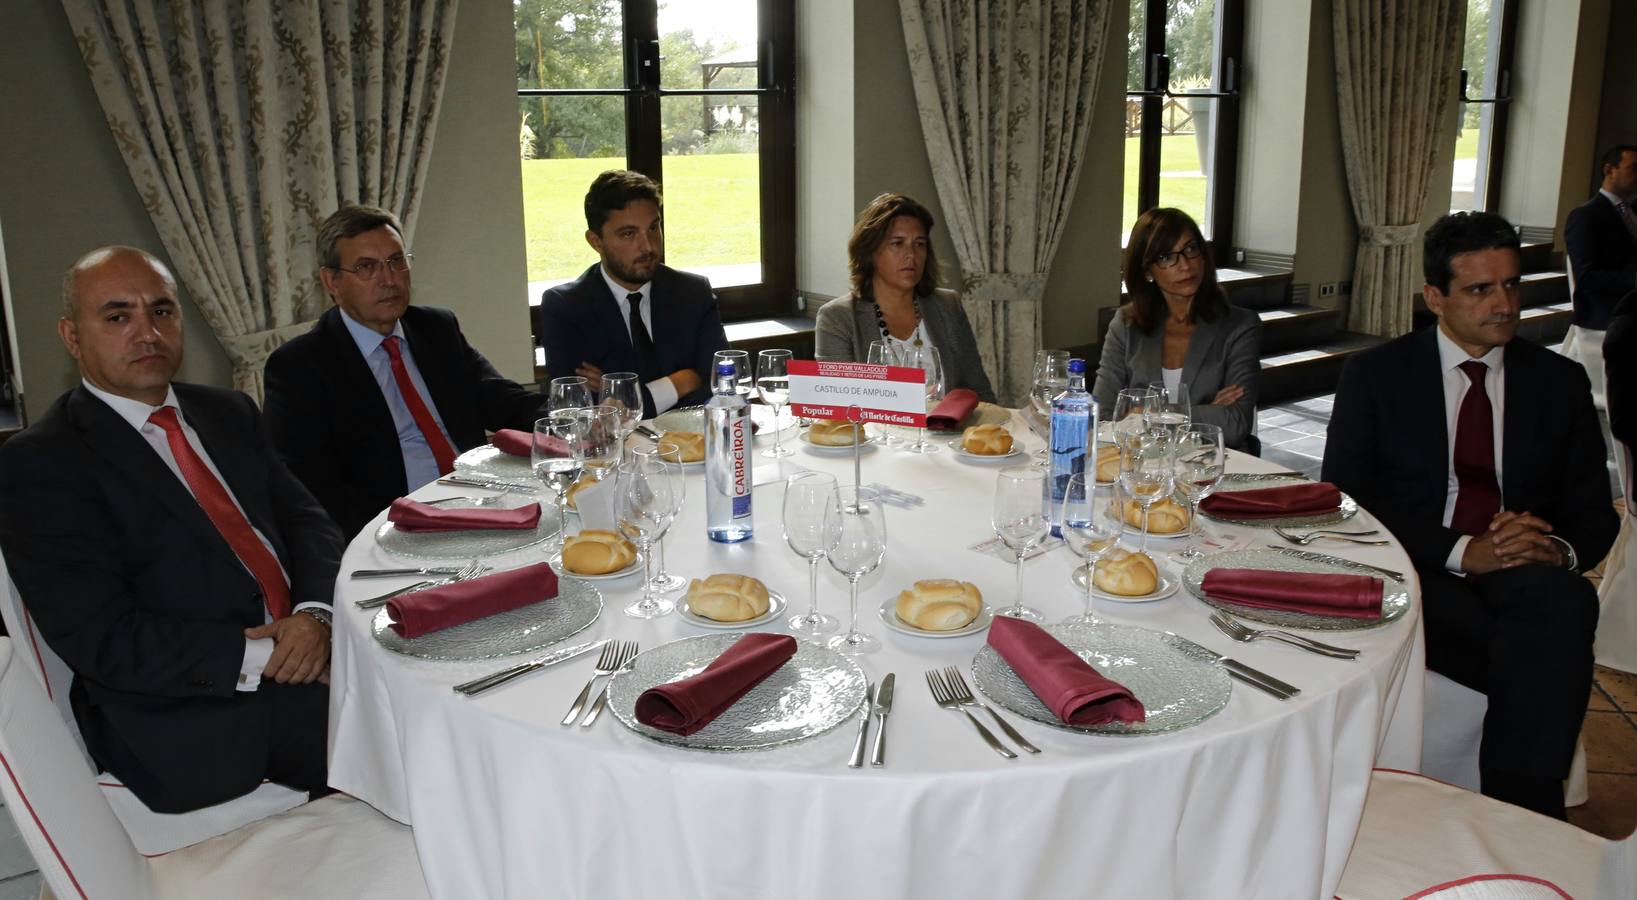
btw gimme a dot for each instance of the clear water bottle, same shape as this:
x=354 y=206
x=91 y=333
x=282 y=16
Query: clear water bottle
x=1073 y=428
x=727 y=460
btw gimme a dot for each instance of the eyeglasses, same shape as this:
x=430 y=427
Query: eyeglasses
x=369 y=268
x=1190 y=250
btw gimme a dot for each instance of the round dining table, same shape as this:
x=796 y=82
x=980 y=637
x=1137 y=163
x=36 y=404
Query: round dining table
x=1261 y=799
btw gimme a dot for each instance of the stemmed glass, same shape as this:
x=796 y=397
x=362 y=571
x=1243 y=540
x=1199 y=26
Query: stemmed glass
x=925 y=358
x=557 y=457
x=569 y=392
x=646 y=486
x=773 y=381
x=1146 y=472
x=1021 y=524
x=1200 y=461
x=1089 y=533
x=664 y=582
x=744 y=378
x=882 y=354
x=855 y=540
x=1171 y=409
x=1051 y=377
x=621 y=391
x=805 y=499
x=1131 y=413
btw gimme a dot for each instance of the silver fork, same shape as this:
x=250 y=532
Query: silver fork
x=467 y=572
x=1311 y=536
x=602 y=696
x=1245 y=634
x=963 y=696
x=615 y=654
x=945 y=698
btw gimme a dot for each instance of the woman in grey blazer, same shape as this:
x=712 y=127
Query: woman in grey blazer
x=1178 y=318
x=895 y=297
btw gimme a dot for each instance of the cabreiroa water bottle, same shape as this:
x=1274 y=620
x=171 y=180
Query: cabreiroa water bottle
x=727 y=460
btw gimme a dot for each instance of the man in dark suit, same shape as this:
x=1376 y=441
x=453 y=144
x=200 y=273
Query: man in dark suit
x=1483 y=456
x=1601 y=238
x=169 y=557
x=381 y=396
x=630 y=312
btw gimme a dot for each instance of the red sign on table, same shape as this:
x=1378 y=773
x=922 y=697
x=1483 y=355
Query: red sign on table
x=894 y=395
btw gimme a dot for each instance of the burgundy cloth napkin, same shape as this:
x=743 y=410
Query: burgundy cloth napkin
x=1325 y=594
x=448 y=605
x=1269 y=503
x=683 y=707
x=1073 y=690
x=521 y=443
x=952 y=410
x=412 y=515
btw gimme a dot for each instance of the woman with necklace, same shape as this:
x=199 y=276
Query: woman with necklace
x=1178 y=328
x=895 y=297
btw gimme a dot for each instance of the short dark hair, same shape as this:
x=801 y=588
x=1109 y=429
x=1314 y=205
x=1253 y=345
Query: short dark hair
x=1155 y=233
x=616 y=189
x=870 y=231
x=351 y=220
x=1613 y=155
x=1462 y=232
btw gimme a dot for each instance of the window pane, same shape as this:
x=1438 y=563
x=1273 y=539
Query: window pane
x=569 y=44
x=707 y=44
x=564 y=143
x=1479 y=58
x=713 y=187
x=1134 y=81
x=1186 y=153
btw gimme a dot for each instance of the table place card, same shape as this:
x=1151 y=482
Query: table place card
x=892 y=395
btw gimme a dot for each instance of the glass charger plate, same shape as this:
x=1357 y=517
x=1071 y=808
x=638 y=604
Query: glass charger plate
x=468 y=544
x=520 y=630
x=1395 y=600
x=1246 y=481
x=692 y=418
x=816 y=690
x=964 y=453
x=1168 y=585
x=634 y=567
x=889 y=617
x=488 y=461
x=775 y=605
x=1179 y=684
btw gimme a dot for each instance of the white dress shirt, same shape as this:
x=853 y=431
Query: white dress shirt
x=661 y=389
x=256 y=652
x=420 y=466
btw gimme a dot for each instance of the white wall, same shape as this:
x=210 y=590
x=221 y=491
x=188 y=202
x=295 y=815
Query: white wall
x=1536 y=170
x=1273 y=103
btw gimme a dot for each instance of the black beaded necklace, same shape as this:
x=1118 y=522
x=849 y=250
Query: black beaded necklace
x=881 y=321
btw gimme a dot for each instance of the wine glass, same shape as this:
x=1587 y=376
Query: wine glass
x=664 y=582
x=773 y=381
x=1051 y=377
x=1200 y=461
x=621 y=391
x=569 y=392
x=1171 y=409
x=855 y=540
x=1130 y=413
x=1089 y=533
x=1020 y=523
x=645 y=489
x=805 y=499
x=926 y=359
x=881 y=353
x=744 y=377
x=557 y=457
x=601 y=439
x=1146 y=472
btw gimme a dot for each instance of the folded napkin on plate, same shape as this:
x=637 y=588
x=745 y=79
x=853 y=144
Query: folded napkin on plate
x=683 y=707
x=1320 y=594
x=454 y=604
x=952 y=410
x=1268 y=503
x=1073 y=690
x=521 y=443
x=412 y=515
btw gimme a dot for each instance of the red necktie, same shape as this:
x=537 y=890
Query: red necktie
x=234 y=528
x=1477 y=496
x=441 y=451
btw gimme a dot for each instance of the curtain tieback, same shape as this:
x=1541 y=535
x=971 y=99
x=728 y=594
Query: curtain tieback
x=1004 y=287
x=1389 y=235
x=250 y=351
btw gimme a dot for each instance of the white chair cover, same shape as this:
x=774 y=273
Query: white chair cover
x=1617 y=625
x=1585 y=346
x=1453 y=729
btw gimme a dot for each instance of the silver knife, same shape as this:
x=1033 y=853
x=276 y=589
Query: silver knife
x=1303 y=554
x=1237 y=670
x=883 y=708
x=479 y=685
x=488 y=483
x=403 y=573
x=857 y=759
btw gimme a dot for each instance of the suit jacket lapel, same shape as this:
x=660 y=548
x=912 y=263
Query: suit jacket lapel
x=609 y=311
x=1426 y=404
x=1147 y=355
x=351 y=376
x=1520 y=406
x=234 y=461
x=1199 y=343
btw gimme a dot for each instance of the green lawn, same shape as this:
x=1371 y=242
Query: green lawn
x=712 y=212
x=1184 y=191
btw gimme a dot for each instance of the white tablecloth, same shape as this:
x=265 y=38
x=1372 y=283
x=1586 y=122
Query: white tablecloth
x=1261 y=800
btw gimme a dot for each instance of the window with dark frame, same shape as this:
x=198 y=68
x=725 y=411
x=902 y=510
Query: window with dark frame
x=696 y=94
x=1486 y=93
x=1183 y=76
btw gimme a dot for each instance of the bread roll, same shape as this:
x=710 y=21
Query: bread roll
x=939 y=604
x=726 y=597
x=833 y=433
x=691 y=444
x=578 y=486
x=1165 y=517
x=1127 y=574
x=1108 y=464
x=987 y=440
x=597 y=552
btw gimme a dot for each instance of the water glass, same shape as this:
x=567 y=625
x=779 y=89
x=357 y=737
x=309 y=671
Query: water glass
x=1200 y=462
x=645 y=507
x=1020 y=524
x=773 y=383
x=1171 y=409
x=1089 y=532
x=621 y=391
x=927 y=360
x=557 y=457
x=569 y=392
x=665 y=582
x=1146 y=472
x=1131 y=408
x=1050 y=378
x=881 y=353
x=855 y=542
x=744 y=377
x=805 y=498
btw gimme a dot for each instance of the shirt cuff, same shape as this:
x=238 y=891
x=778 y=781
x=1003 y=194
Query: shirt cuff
x=1453 y=562
x=308 y=605
x=664 y=394
x=1570 y=559
x=256 y=654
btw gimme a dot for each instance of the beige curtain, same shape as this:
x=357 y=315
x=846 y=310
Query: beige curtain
x=1398 y=70
x=1005 y=91
x=245 y=124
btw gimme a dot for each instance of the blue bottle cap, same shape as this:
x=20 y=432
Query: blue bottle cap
x=726 y=368
x=1077 y=367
